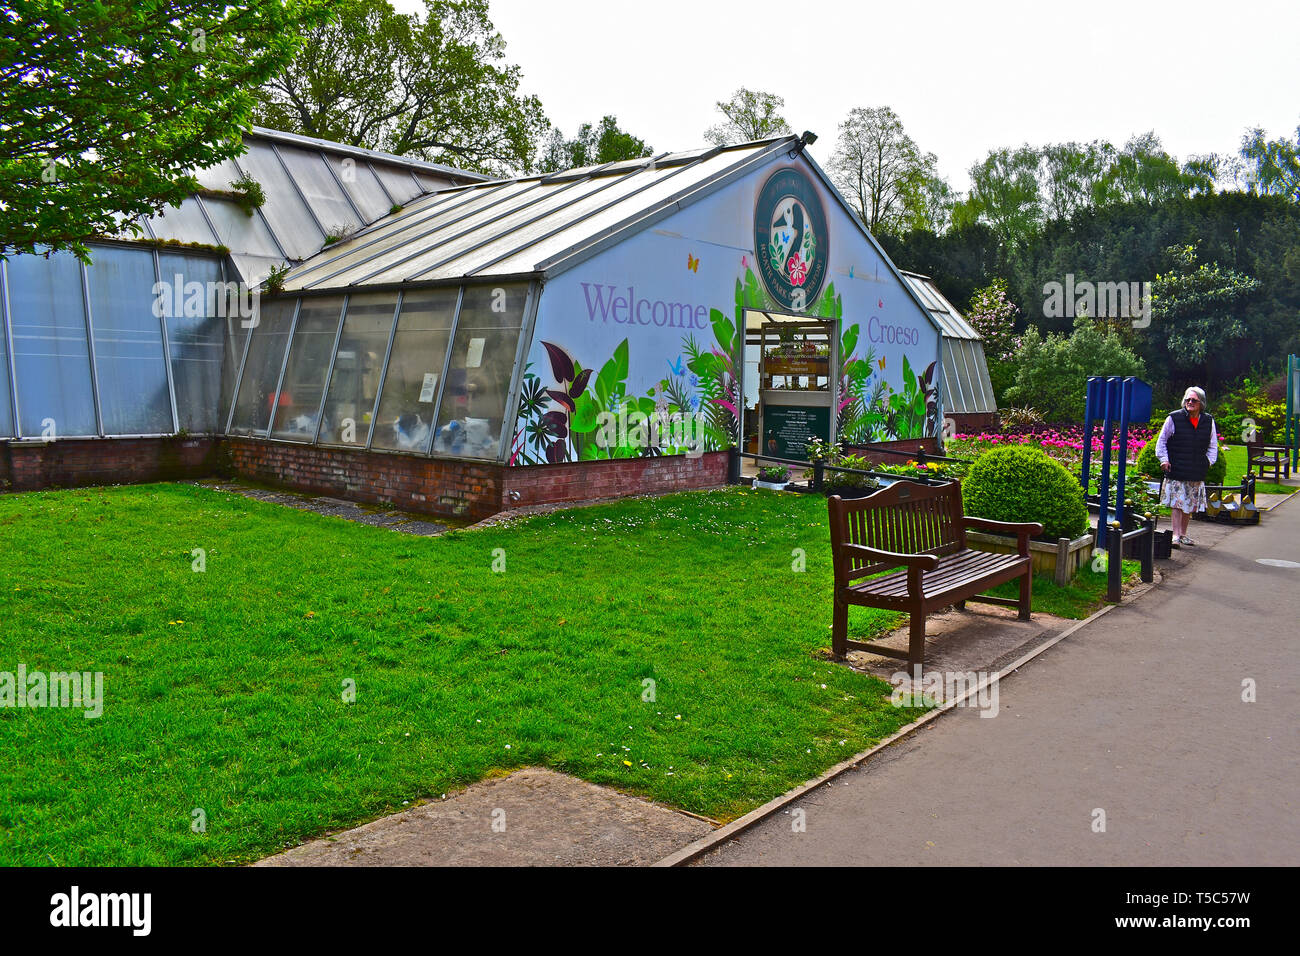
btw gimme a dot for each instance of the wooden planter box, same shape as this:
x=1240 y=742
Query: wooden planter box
x=1061 y=560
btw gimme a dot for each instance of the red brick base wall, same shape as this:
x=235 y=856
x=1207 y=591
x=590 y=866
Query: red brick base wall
x=578 y=481
x=909 y=445
x=73 y=463
x=426 y=485
x=468 y=489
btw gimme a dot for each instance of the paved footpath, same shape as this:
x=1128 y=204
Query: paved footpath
x=1139 y=714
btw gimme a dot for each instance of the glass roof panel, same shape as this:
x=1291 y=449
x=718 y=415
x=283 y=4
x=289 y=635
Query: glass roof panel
x=401 y=185
x=666 y=183
x=458 y=218
x=285 y=212
x=219 y=176
x=238 y=232
x=322 y=191
x=185 y=224
x=360 y=182
x=561 y=203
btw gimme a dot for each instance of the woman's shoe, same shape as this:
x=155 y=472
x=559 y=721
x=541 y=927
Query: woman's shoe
x=1188 y=541
x=1175 y=542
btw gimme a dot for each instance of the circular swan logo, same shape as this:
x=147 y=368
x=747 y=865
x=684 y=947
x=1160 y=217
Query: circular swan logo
x=790 y=239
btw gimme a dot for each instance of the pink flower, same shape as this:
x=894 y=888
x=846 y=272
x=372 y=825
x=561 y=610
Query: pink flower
x=797 y=268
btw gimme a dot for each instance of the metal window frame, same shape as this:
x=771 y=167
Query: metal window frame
x=446 y=364
x=6 y=323
x=383 y=373
x=239 y=372
x=526 y=330
x=166 y=344
x=90 y=349
x=380 y=179
x=284 y=364
x=329 y=374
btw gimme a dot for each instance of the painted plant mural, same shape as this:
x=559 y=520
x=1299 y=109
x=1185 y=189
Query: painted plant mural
x=583 y=414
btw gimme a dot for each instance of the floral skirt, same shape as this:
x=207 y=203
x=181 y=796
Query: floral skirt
x=1188 y=496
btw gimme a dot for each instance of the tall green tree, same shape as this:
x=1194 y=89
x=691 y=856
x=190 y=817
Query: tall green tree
x=1005 y=193
x=593 y=145
x=1071 y=175
x=750 y=114
x=1143 y=172
x=435 y=86
x=1274 y=165
x=890 y=182
x=105 y=107
x=1200 y=308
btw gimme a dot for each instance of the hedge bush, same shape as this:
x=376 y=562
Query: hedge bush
x=1019 y=483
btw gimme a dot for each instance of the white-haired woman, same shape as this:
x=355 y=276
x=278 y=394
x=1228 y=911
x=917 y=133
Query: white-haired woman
x=1188 y=445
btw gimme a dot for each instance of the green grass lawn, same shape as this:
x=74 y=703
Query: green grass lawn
x=224 y=689
x=1235 y=455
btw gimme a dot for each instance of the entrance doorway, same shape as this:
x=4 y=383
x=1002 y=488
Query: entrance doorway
x=790 y=382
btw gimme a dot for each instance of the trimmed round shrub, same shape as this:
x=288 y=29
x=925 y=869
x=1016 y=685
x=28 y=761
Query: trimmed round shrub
x=1147 y=462
x=1020 y=483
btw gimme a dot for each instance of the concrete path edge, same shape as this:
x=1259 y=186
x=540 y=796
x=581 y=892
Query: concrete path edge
x=733 y=829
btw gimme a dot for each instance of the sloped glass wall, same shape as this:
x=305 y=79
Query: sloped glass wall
x=131 y=371
x=112 y=370
x=388 y=373
x=47 y=319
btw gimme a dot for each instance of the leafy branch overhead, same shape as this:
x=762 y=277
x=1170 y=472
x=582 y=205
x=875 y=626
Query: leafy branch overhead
x=107 y=106
x=435 y=86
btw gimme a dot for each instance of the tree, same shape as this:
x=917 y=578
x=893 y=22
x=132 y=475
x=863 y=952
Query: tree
x=106 y=107
x=889 y=181
x=605 y=143
x=1199 y=306
x=1143 y=172
x=1052 y=372
x=1071 y=175
x=433 y=86
x=993 y=316
x=1275 y=164
x=1005 y=193
x=751 y=114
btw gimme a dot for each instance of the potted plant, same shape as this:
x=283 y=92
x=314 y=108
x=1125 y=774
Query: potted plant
x=773 y=477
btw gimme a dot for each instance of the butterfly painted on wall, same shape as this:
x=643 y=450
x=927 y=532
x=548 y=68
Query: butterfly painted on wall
x=679 y=368
x=880 y=303
x=850 y=272
x=692 y=263
x=881 y=363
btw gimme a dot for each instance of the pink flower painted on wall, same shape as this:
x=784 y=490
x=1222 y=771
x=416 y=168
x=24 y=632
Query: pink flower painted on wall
x=797 y=268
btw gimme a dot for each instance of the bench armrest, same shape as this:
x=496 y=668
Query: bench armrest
x=1006 y=527
x=926 y=562
x=1021 y=529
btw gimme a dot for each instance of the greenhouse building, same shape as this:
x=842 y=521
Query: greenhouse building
x=388 y=330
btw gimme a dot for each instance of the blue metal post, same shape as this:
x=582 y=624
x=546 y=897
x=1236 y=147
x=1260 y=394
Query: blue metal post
x=1090 y=409
x=1125 y=401
x=1109 y=410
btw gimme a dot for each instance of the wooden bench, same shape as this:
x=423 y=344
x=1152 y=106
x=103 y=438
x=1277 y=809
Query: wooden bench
x=1274 y=458
x=922 y=529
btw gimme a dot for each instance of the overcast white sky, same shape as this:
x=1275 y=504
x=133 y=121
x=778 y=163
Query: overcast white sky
x=965 y=77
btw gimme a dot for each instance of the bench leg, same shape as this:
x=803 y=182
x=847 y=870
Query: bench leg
x=840 y=630
x=1026 y=592
x=915 y=643
x=961 y=605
